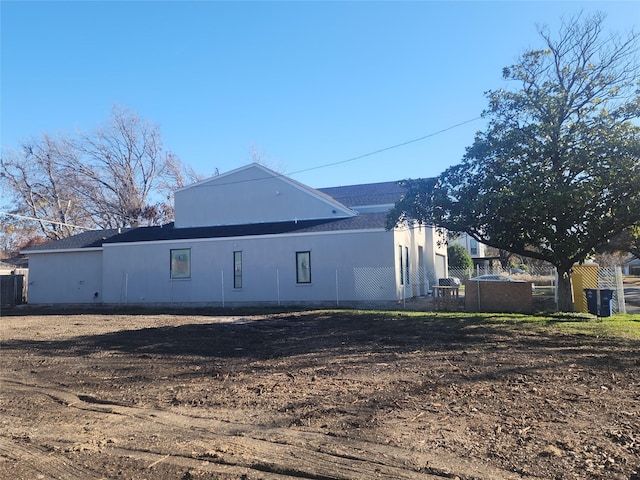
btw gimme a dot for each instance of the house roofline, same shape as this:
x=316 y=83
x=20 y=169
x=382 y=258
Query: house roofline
x=61 y=250
x=244 y=237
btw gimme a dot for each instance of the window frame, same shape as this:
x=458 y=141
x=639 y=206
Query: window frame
x=407 y=264
x=473 y=247
x=302 y=277
x=237 y=269
x=179 y=268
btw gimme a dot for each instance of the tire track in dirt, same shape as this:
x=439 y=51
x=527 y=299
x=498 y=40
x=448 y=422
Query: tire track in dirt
x=41 y=462
x=213 y=445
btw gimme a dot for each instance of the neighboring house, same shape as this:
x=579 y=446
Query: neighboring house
x=476 y=250
x=17 y=265
x=14 y=274
x=246 y=237
x=631 y=266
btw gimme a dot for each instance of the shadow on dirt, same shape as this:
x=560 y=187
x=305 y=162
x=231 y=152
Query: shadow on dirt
x=98 y=309
x=322 y=335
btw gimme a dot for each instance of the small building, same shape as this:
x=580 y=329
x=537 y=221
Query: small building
x=249 y=236
x=631 y=266
x=14 y=273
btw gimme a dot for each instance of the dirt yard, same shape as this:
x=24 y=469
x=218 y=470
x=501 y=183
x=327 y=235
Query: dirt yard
x=316 y=395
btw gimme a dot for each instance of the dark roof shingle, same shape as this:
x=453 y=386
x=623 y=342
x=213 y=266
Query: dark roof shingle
x=88 y=239
x=384 y=193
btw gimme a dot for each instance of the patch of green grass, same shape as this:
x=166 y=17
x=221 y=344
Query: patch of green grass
x=616 y=326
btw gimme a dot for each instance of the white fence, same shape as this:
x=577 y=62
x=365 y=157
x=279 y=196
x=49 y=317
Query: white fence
x=543 y=275
x=611 y=279
x=545 y=280
x=366 y=286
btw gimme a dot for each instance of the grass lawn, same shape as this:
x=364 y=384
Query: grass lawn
x=621 y=326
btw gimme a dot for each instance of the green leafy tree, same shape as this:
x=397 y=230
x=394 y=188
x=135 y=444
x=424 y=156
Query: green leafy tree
x=627 y=242
x=556 y=173
x=458 y=257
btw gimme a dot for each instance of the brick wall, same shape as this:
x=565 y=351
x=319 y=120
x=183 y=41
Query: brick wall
x=514 y=297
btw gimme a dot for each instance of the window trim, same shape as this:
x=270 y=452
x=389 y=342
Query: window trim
x=237 y=269
x=473 y=247
x=175 y=272
x=303 y=278
x=407 y=266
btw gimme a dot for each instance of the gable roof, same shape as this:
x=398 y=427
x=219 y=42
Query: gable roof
x=383 y=193
x=632 y=261
x=268 y=174
x=14 y=262
x=349 y=196
x=95 y=239
x=252 y=194
x=91 y=239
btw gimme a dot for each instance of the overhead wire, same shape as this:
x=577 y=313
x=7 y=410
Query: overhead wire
x=348 y=160
x=25 y=217
x=408 y=142
x=317 y=167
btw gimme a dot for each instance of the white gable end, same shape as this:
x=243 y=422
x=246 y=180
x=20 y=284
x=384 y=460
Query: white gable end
x=252 y=194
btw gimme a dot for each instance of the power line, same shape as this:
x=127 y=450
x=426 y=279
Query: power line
x=43 y=220
x=386 y=148
x=375 y=152
x=326 y=165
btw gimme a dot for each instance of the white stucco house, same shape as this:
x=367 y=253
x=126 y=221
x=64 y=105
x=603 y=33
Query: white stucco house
x=249 y=236
x=476 y=249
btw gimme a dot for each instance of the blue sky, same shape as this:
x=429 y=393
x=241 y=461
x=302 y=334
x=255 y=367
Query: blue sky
x=307 y=84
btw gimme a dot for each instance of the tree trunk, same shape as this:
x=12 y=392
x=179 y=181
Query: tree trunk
x=565 y=293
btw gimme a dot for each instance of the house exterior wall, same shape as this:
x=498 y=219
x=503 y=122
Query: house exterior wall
x=475 y=248
x=427 y=258
x=247 y=196
x=65 y=277
x=632 y=267
x=351 y=266
x=437 y=260
x=357 y=266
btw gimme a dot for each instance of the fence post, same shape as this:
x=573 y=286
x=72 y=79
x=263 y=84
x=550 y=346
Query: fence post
x=126 y=289
x=337 y=290
x=222 y=282
x=278 y=284
x=404 y=296
x=622 y=307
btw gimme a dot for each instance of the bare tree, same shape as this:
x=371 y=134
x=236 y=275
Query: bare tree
x=175 y=175
x=17 y=233
x=121 y=165
x=36 y=182
x=257 y=155
x=117 y=176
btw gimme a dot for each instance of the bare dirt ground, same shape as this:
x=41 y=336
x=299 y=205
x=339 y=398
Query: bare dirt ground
x=317 y=395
